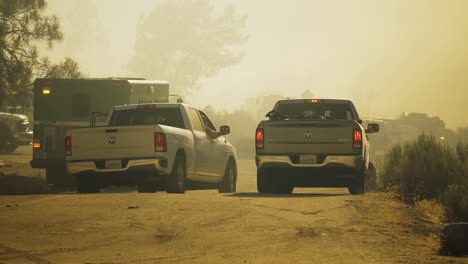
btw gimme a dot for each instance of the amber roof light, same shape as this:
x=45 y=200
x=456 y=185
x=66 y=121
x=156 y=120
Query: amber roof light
x=46 y=91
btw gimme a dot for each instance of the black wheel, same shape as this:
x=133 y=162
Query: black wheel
x=7 y=141
x=58 y=175
x=88 y=184
x=229 y=184
x=264 y=181
x=271 y=182
x=175 y=182
x=283 y=188
x=147 y=186
x=11 y=148
x=357 y=187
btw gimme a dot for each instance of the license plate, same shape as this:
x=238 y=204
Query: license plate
x=308 y=159
x=113 y=164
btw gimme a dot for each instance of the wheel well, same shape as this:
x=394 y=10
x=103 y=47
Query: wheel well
x=181 y=153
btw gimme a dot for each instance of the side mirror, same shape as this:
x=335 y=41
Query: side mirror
x=224 y=130
x=180 y=100
x=372 y=128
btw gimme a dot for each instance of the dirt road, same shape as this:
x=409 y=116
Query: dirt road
x=309 y=226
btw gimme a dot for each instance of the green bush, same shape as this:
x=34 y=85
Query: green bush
x=455 y=200
x=455 y=197
x=429 y=169
x=391 y=169
x=421 y=169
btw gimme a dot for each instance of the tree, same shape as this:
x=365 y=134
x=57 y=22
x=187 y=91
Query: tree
x=184 y=41
x=66 y=69
x=22 y=26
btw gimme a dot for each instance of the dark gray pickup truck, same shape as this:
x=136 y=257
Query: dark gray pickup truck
x=312 y=143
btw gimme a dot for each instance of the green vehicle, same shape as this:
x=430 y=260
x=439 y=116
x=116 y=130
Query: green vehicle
x=62 y=104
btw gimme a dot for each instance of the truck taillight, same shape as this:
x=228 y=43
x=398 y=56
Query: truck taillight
x=160 y=143
x=357 y=139
x=68 y=146
x=36 y=144
x=259 y=138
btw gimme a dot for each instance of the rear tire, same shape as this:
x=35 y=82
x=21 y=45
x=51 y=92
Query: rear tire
x=147 y=186
x=88 y=184
x=175 y=182
x=11 y=148
x=58 y=175
x=228 y=184
x=270 y=182
x=358 y=186
x=264 y=182
x=7 y=141
x=283 y=188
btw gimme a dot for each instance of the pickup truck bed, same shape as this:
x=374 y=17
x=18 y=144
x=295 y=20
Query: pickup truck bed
x=122 y=155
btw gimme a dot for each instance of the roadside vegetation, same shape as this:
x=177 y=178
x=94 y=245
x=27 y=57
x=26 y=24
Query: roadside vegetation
x=427 y=169
x=24 y=26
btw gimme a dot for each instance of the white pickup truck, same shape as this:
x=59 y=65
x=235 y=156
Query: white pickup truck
x=154 y=146
x=312 y=143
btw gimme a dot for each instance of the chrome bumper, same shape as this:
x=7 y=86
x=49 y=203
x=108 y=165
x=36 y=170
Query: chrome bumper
x=77 y=167
x=354 y=162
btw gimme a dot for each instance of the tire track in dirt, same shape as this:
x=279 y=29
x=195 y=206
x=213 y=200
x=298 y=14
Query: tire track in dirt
x=22 y=254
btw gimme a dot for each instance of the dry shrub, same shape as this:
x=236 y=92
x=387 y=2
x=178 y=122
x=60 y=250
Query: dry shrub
x=426 y=169
x=421 y=169
x=391 y=171
x=455 y=196
x=433 y=209
x=455 y=200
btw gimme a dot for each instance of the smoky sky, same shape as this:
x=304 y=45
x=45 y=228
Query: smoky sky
x=387 y=56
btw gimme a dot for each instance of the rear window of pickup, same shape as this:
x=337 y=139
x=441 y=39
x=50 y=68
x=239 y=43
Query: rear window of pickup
x=315 y=111
x=155 y=116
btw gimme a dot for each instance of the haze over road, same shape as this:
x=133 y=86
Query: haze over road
x=309 y=226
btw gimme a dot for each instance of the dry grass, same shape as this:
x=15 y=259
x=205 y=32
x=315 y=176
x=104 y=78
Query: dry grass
x=433 y=209
x=17 y=177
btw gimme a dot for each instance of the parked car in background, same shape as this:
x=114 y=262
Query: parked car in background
x=14 y=131
x=154 y=146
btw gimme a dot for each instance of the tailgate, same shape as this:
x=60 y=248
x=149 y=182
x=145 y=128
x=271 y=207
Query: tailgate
x=320 y=137
x=113 y=142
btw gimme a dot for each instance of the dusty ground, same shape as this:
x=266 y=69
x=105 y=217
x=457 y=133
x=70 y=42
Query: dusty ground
x=18 y=163
x=122 y=226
